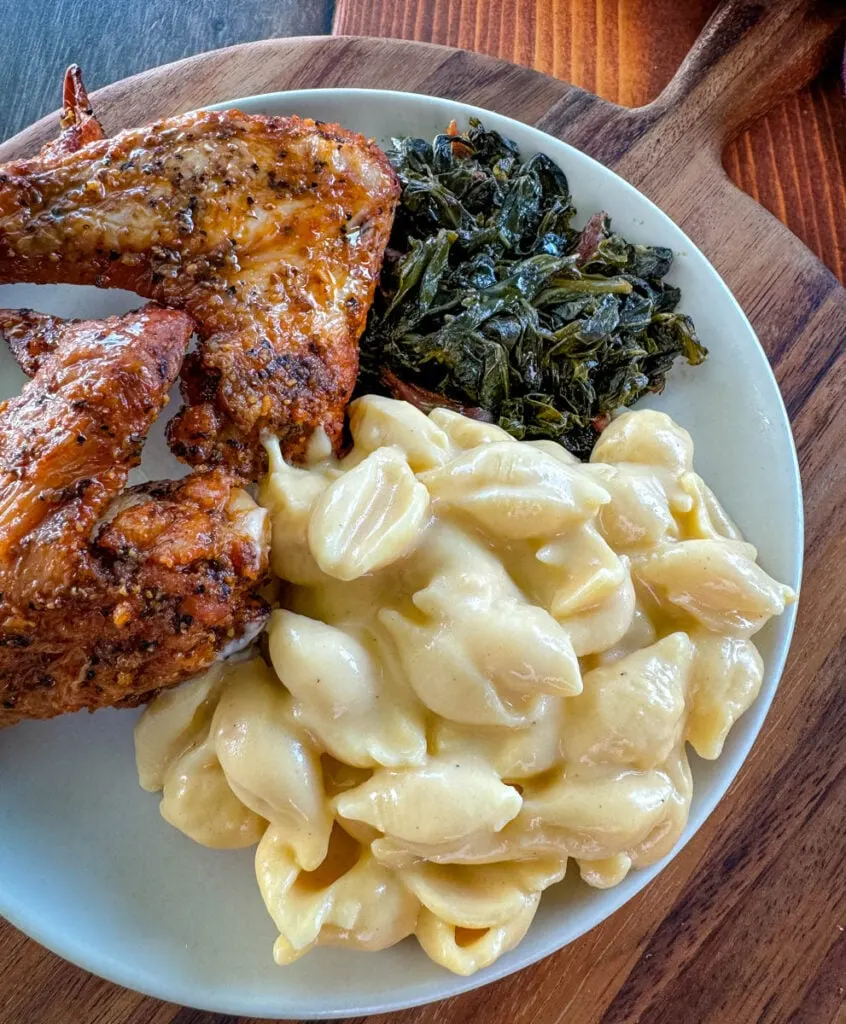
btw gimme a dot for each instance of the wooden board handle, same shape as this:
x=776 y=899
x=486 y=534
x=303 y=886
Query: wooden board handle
x=749 y=55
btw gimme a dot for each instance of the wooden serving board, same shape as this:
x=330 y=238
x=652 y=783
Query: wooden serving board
x=746 y=924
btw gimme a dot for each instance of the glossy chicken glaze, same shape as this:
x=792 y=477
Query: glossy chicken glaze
x=32 y=336
x=107 y=597
x=79 y=125
x=269 y=231
x=69 y=440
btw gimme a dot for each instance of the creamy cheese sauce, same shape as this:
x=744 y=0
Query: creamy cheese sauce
x=489 y=661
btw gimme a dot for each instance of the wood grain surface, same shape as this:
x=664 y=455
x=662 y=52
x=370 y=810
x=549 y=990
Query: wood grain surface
x=792 y=160
x=747 y=922
x=117 y=38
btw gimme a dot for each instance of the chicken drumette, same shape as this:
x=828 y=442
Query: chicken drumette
x=110 y=594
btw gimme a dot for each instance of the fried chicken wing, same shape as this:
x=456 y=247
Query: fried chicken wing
x=269 y=231
x=109 y=594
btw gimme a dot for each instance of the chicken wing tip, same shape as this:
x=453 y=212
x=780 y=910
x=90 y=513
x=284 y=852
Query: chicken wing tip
x=75 y=100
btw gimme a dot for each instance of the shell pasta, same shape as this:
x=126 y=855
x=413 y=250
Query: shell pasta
x=489 y=660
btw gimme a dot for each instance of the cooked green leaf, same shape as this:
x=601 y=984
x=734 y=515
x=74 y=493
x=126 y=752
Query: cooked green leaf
x=491 y=300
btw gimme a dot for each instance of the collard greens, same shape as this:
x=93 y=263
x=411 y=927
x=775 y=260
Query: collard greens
x=491 y=302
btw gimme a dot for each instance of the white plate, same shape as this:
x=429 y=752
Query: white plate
x=87 y=866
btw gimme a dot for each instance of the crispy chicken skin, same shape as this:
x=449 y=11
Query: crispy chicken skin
x=31 y=336
x=69 y=440
x=109 y=595
x=269 y=231
x=172 y=587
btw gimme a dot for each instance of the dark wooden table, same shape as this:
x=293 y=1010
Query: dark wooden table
x=681 y=968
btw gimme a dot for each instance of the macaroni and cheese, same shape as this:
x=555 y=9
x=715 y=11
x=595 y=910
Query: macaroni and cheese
x=488 y=663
